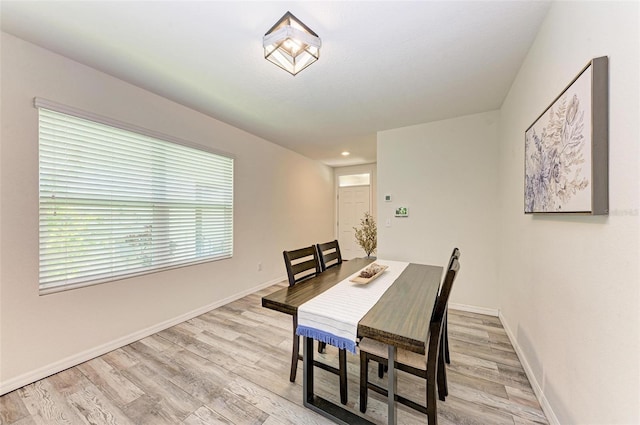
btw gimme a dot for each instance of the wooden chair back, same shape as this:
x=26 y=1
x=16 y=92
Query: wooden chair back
x=301 y=264
x=445 y=291
x=455 y=254
x=329 y=254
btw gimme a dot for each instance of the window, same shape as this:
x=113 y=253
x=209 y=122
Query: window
x=354 y=180
x=116 y=203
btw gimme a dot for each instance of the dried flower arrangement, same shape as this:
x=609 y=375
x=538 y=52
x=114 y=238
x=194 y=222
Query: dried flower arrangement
x=367 y=234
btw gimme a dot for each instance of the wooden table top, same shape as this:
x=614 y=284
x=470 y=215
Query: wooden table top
x=287 y=300
x=402 y=315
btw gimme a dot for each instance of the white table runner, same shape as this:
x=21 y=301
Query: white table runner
x=333 y=316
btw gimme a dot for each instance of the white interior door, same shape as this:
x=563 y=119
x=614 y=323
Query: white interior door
x=353 y=202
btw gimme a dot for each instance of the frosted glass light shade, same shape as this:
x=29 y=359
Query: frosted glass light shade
x=291 y=45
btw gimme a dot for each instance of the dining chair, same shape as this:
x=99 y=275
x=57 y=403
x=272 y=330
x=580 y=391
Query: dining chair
x=444 y=345
x=301 y=264
x=329 y=253
x=455 y=254
x=431 y=365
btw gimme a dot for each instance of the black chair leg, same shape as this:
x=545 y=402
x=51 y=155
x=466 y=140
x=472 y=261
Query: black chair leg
x=295 y=351
x=321 y=346
x=364 y=381
x=443 y=389
x=432 y=371
x=382 y=368
x=445 y=337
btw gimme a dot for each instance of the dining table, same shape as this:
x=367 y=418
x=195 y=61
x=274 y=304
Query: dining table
x=400 y=318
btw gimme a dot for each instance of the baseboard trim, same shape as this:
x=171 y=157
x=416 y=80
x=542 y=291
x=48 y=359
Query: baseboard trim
x=475 y=309
x=76 y=359
x=542 y=399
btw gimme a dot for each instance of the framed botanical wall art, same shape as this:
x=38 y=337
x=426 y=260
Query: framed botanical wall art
x=567 y=148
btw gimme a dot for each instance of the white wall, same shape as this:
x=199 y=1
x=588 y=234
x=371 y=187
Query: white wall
x=445 y=172
x=569 y=285
x=277 y=193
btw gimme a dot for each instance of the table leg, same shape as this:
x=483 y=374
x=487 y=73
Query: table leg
x=307 y=369
x=392 y=386
x=342 y=361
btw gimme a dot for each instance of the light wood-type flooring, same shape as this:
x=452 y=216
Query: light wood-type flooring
x=231 y=366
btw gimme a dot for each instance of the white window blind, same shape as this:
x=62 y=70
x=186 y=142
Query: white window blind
x=114 y=203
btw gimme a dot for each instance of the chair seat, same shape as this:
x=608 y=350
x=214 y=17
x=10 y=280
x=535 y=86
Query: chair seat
x=409 y=358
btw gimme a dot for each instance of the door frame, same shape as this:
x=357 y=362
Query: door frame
x=343 y=248
x=356 y=169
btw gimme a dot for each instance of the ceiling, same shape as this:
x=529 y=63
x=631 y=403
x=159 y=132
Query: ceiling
x=382 y=65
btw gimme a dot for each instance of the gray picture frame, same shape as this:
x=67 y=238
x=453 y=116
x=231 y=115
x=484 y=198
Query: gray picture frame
x=567 y=148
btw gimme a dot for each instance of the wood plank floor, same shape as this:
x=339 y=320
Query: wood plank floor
x=231 y=366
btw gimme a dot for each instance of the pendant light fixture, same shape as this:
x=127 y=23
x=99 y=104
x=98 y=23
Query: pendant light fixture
x=291 y=45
